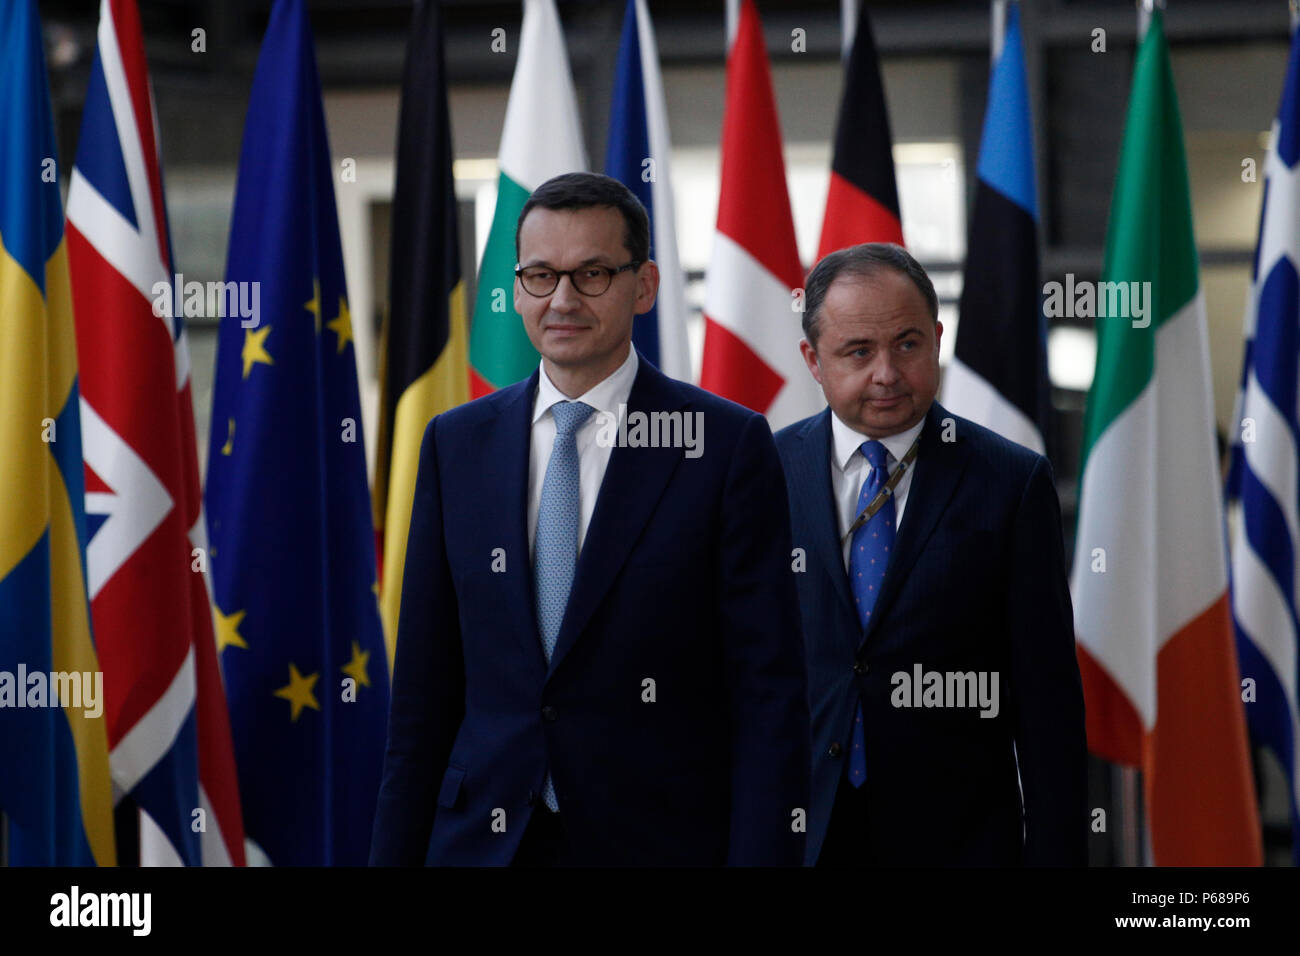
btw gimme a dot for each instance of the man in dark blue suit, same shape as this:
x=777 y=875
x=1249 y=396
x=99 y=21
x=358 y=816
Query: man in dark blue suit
x=946 y=702
x=599 y=658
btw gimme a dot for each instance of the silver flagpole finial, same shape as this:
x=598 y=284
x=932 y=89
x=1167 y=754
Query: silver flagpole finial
x=999 y=14
x=848 y=26
x=1145 y=9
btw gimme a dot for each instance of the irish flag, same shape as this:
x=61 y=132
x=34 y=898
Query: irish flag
x=541 y=139
x=1150 y=577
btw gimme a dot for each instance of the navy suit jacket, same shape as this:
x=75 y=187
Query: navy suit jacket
x=684 y=579
x=976 y=583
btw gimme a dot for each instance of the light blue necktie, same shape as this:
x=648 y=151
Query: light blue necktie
x=868 y=558
x=555 y=548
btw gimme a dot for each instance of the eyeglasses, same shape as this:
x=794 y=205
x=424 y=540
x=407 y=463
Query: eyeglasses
x=590 y=280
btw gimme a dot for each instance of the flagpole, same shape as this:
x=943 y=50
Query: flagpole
x=1130 y=848
x=733 y=19
x=1145 y=8
x=848 y=26
x=999 y=13
x=1134 y=843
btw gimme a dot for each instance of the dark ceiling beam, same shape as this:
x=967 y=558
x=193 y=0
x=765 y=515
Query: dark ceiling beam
x=687 y=34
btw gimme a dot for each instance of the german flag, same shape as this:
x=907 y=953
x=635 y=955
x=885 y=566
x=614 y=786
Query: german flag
x=862 y=203
x=424 y=352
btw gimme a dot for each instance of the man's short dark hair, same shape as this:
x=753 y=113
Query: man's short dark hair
x=584 y=190
x=864 y=261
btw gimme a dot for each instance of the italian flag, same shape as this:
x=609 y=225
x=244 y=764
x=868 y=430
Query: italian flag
x=542 y=138
x=1150 y=575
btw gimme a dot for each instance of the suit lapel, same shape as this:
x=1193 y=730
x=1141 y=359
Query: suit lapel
x=634 y=481
x=811 y=469
x=939 y=467
x=506 y=448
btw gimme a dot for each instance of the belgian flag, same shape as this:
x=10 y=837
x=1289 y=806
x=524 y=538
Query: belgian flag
x=424 y=353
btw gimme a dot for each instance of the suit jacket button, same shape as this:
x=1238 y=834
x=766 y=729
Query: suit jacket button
x=859 y=667
x=835 y=750
x=549 y=713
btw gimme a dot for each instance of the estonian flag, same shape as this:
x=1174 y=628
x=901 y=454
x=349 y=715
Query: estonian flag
x=998 y=375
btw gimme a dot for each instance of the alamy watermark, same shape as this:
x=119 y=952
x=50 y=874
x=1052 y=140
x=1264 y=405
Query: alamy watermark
x=639 y=429
x=130 y=910
x=947 y=689
x=1098 y=300
x=216 y=300
x=69 y=689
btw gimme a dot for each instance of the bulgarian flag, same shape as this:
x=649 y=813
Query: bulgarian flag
x=541 y=139
x=1150 y=578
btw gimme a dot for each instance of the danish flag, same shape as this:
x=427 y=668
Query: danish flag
x=168 y=730
x=751 y=320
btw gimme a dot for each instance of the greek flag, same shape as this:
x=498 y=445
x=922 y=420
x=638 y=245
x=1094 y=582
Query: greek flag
x=1264 y=480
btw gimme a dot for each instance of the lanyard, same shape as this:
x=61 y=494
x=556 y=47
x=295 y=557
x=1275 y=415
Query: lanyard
x=883 y=494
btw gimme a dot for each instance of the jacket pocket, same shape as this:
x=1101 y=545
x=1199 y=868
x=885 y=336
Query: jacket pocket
x=450 y=790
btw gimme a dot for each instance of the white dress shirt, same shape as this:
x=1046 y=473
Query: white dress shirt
x=593 y=459
x=849 y=469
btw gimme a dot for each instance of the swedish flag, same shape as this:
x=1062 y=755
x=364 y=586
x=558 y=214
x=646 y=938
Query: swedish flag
x=54 y=778
x=293 y=551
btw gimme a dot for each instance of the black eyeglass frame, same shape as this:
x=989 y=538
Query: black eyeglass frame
x=561 y=273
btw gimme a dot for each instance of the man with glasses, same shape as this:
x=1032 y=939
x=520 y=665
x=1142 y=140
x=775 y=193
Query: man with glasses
x=599 y=658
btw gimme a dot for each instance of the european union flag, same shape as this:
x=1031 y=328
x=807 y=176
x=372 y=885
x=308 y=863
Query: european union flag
x=293 y=552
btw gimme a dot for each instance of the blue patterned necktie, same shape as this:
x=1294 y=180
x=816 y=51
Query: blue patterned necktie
x=555 y=547
x=868 y=558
